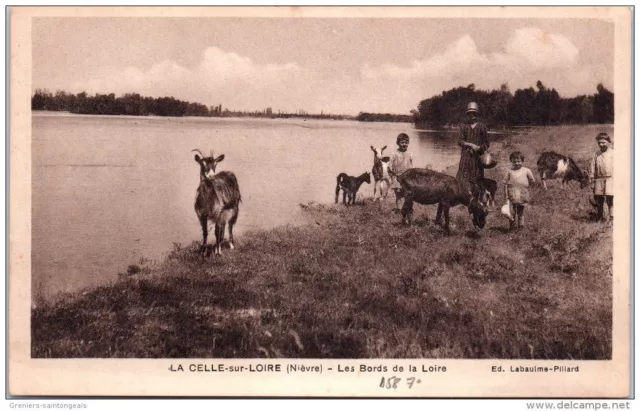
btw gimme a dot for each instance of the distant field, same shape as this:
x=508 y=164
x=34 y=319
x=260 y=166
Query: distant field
x=355 y=283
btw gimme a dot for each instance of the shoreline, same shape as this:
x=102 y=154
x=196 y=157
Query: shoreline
x=347 y=291
x=444 y=129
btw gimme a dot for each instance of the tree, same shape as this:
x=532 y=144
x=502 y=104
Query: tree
x=603 y=108
x=579 y=110
x=38 y=100
x=522 y=108
x=547 y=105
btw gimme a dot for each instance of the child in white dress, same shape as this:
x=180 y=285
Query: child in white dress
x=601 y=176
x=401 y=161
x=516 y=187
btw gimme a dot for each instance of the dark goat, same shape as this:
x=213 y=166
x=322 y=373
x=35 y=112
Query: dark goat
x=350 y=186
x=430 y=187
x=217 y=200
x=553 y=165
x=380 y=172
x=489 y=190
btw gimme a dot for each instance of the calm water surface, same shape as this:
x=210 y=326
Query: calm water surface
x=110 y=190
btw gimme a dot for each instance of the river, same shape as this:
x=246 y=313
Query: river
x=110 y=190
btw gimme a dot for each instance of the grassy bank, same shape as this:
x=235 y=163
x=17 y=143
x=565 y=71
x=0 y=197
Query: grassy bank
x=355 y=283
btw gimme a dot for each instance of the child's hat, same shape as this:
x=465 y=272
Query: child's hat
x=472 y=107
x=402 y=137
x=603 y=136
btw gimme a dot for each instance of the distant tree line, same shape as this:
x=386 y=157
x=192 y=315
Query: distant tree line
x=269 y=113
x=500 y=108
x=133 y=104
x=392 y=118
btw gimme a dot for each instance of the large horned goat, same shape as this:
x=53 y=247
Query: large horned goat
x=217 y=200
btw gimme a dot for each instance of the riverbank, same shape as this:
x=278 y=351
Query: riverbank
x=355 y=283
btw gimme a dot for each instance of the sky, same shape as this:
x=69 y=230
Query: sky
x=329 y=65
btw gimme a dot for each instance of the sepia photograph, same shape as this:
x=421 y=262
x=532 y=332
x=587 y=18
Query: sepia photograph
x=382 y=186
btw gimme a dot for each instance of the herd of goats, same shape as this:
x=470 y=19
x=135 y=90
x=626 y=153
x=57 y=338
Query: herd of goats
x=218 y=195
x=427 y=187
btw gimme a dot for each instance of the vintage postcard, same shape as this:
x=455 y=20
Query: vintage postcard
x=320 y=202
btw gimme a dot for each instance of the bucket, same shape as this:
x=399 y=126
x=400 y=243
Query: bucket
x=488 y=161
x=506 y=211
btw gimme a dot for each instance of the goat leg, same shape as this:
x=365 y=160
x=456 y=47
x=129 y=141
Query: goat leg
x=446 y=219
x=438 y=220
x=399 y=194
x=223 y=227
x=407 y=210
x=231 y=223
x=544 y=182
x=205 y=232
x=219 y=237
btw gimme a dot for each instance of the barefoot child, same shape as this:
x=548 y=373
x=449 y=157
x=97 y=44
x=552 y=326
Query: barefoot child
x=601 y=176
x=401 y=161
x=516 y=187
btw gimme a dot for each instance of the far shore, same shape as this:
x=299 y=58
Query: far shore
x=442 y=129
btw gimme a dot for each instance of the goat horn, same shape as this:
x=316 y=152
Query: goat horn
x=198 y=152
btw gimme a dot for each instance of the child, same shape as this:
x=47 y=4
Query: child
x=516 y=187
x=601 y=176
x=400 y=162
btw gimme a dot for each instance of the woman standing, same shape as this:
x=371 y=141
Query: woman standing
x=474 y=142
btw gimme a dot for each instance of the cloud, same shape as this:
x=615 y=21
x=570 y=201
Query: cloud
x=238 y=82
x=530 y=54
x=462 y=56
x=540 y=50
x=220 y=76
x=220 y=67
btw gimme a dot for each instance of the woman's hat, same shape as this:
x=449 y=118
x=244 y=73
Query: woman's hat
x=472 y=107
x=603 y=136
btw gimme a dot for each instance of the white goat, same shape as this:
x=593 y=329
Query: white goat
x=380 y=172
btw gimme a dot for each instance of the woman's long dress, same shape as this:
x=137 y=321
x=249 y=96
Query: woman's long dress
x=470 y=168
